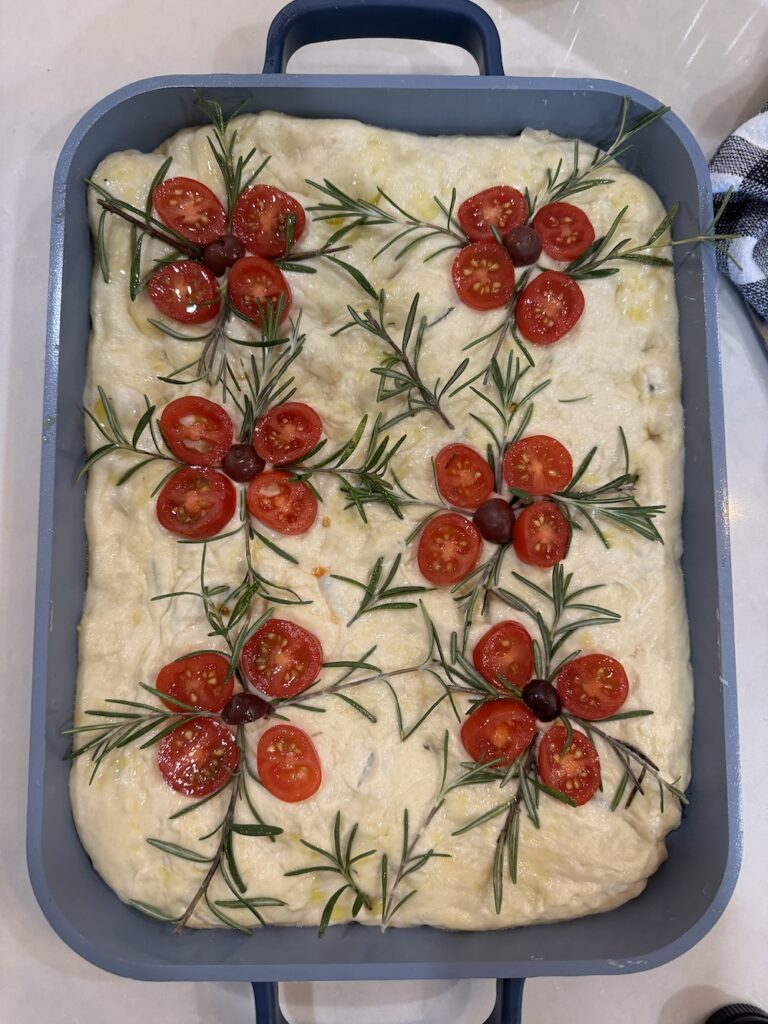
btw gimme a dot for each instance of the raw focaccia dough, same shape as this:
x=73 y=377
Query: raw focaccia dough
x=622 y=355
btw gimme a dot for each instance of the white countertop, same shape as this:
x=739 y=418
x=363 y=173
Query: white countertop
x=705 y=59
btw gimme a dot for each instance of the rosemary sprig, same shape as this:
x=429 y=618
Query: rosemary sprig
x=477 y=587
x=379 y=595
x=143 y=219
x=222 y=145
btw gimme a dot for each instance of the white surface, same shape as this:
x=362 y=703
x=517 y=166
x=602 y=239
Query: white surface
x=707 y=60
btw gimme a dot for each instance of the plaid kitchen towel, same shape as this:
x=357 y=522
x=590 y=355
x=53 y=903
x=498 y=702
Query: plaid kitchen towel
x=741 y=164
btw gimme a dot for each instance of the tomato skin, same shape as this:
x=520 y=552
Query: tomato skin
x=254 y=284
x=592 y=687
x=287 y=432
x=287 y=505
x=575 y=773
x=198 y=680
x=565 y=230
x=185 y=291
x=541 y=535
x=501 y=728
x=192 y=420
x=196 y=503
x=548 y=308
x=449 y=549
x=506 y=649
x=281 y=658
x=198 y=757
x=464 y=477
x=287 y=763
x=259 y=220
x=483 y=275
x=191 y=209
x=501 y=206
x=538 y=464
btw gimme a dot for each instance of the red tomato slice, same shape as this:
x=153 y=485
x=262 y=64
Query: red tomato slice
x=548 y=307
x=288 y=765
x=484 y=275
x=185 y=291
x=449 y=549
x=592 y=687
x=198 y=757
x=199 y=680
x=260 y=220
x=191 y=209
x=196 y=503
x=255 y=285
x=541 y=534
x=499 y=729
x=538 y=464
x=505 y=650
x=464 y=477
x=501 y=207
x=287 y=505
x=197 y=431
x=281 y=659
x=575 y=772
x=565 y=231
x=287 y=432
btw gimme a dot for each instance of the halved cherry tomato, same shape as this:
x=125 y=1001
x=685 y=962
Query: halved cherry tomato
x=198 y=757
x=185 y=291
x=592 y=687
x=565 y=231
x=287 y=505
x=541 y=534
x=281 y=659
x=505 y=650
x=197 y=431
x=464 y=477
x=449 y=548
x=255 y=285
x=198 y=680
x=191 y=209
x=548 y=307
x=260 y=220
x=575 y=772
x=501 y=728
x=287 y=433
x=501 y=207
x=288 y=765
x=538 y=464
x=196 y=503
x=484 y=275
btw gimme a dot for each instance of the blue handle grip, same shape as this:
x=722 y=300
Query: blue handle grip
x=440 y=21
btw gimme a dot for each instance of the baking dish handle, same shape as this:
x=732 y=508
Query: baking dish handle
x=459 y=22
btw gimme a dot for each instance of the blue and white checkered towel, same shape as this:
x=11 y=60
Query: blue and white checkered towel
x=741 y=164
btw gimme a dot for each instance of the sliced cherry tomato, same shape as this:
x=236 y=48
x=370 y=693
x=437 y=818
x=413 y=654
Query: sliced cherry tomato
x=281 y=659
x=449 y=548
x=196 y=503
x=255 y=285
x=484 y=275
x=287 y=505
x=191 y=209
x=197 y=431
x=541 y=534
x=505 y=650
x=199 y=680
x=501 y=207
x=185 y=291
x=499 y=729
x=575 y=772
x=287 y=433
x=548 y=307
x=198 y=757
x=538 y=464
x=592 y=687
x=565 y=231
x=260 y=220
x=464 y=477
x=288 y=765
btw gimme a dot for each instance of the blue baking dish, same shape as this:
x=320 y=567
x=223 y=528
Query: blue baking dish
x=686 y=896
